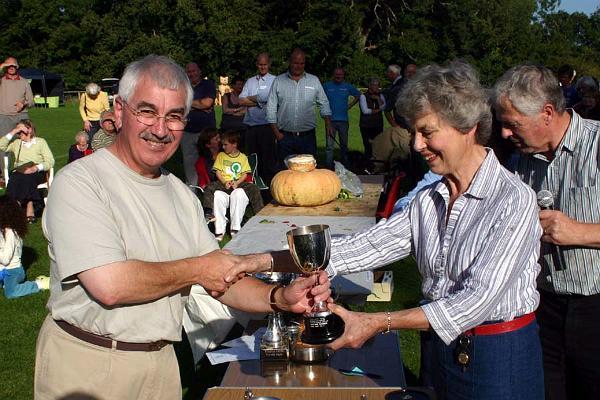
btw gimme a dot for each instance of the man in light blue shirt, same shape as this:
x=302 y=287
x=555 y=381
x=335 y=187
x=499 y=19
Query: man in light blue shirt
x=338 y=91
x=290 y=109
x=259 y=137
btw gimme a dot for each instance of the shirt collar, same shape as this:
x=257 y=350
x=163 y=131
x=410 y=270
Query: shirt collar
x=479 y=187
x=262 y=78
x=16 y=78
x=290 y=75
x=569 y=140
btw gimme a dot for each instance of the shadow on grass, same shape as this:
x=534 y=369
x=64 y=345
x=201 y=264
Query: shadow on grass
x=29 y=257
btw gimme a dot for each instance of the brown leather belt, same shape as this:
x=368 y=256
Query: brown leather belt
x=107 y=342
x=501 y=327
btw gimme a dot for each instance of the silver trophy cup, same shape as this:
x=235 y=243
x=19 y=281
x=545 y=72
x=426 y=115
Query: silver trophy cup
x=310 y=248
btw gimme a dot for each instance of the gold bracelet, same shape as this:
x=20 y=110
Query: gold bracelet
x=389 y=323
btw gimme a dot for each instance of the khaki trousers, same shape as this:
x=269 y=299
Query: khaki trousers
x=66 y=367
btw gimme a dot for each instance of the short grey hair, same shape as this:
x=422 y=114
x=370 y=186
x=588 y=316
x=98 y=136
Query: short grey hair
x=163 y=71
x=92 y=89
x=528 y=88
x=454 y=93
x=395 y=68
x=82 y=134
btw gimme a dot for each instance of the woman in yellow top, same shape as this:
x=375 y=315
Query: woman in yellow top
x=91 y=104
x=32 y=158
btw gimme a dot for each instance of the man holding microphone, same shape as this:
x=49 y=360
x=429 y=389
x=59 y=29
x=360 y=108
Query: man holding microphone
x=560 y=155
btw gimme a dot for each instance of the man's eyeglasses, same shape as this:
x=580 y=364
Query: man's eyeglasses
x=175 y=122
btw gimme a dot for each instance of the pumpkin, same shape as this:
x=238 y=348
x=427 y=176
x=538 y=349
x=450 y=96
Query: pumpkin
x=305 y=189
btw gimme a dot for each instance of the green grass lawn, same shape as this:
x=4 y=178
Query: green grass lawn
x=20 y=319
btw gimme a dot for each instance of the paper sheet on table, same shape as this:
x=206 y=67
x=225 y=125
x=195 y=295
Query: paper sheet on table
x=232 y=354
x=251 y=342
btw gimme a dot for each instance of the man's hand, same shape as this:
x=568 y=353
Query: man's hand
x=559 y=228
x=19 y=106
x=278 y=135
x=87 y=125
x=221 y=269
x=330 y=131
x=359 y=328
x=302 y=293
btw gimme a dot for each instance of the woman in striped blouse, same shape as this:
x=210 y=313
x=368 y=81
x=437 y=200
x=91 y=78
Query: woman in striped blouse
x=475 y=236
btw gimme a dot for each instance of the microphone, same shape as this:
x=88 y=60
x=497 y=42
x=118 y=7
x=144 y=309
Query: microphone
x=545 y=200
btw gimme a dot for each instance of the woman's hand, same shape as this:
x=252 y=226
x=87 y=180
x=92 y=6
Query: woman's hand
x=300 y=296
x=359 y=328
x=30 y=170
x=87 y=125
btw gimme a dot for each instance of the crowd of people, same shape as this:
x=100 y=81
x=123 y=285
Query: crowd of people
x=510 y=287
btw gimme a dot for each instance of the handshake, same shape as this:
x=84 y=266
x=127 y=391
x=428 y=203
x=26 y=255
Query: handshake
x=226 y=276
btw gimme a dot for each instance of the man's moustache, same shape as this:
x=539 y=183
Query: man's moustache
x=152 y=137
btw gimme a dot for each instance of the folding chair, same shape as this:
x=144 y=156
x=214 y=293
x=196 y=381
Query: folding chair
x=258 y=181
x=42 y=186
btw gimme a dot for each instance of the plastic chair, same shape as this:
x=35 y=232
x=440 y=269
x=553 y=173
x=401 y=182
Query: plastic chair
x=258 y=181
x=44 y=185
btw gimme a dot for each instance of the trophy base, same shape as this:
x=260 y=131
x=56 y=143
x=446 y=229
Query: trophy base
x=322 y=328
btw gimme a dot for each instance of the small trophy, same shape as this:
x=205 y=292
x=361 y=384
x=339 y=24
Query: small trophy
x=310 y=248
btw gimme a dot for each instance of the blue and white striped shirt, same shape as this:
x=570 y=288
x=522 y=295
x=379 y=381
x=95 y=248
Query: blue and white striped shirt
x=573 y=177
x=258 y=86
x=291 y=104
x=479 y=263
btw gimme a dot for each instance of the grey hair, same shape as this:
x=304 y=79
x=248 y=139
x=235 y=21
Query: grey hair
x=395 y=68
x=161 y=70
x=454 y=93
x=528 y=88
x=82 y=134
x=587 y=84
x=92 y=89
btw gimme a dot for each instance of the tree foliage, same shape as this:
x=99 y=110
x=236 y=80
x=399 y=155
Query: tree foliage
x=91 y=39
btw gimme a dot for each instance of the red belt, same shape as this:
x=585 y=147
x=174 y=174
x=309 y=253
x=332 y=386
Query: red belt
x=103 y=341
x=501 y=327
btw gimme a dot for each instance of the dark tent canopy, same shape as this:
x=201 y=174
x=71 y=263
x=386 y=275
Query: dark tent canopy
x=44 y=83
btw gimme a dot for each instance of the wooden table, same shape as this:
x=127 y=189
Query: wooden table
x=380 y=355
x=364 y=206
x=392 y=393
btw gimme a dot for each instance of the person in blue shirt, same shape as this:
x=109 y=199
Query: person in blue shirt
x=338 y=92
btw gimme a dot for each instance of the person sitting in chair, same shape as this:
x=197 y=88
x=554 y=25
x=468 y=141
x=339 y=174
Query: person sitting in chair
x=231 y=189
x=32 y=159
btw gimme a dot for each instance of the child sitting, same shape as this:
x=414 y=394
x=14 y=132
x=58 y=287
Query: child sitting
x=13 y=226
x=231 y=188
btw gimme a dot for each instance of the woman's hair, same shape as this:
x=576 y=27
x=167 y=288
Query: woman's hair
x=28 y=123
x=81 y=134
x=92 y=89
x=206 y=136
x=12 y=216
x=454 y=93
x=587 y=85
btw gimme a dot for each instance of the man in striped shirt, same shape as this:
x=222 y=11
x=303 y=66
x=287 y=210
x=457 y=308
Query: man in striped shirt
x=561 y=154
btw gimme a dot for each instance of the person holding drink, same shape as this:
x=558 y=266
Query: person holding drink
x=475 y=236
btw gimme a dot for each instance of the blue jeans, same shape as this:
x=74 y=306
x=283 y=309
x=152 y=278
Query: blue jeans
x=15 y=284
x=341 y=128
x=504 y=366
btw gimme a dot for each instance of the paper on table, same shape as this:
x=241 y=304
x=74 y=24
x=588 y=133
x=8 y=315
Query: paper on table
x=232 y=354
x=249 y=341
x=243 y=348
